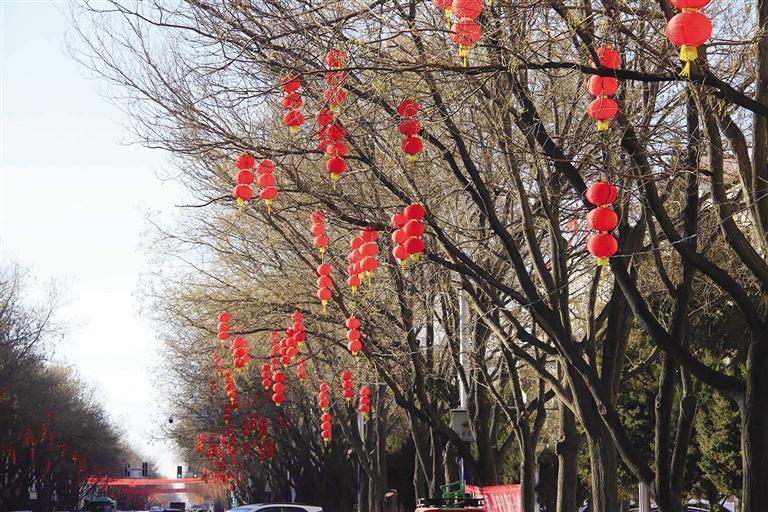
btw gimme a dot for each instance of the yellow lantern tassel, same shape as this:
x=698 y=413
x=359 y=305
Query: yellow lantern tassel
x=601 y=262
x=336 y=108
x=354 y=289
x=335 y=178
x=413 y=158
x=448 y=15
x=322 y=251
x=688 y=54
x=268 y=202
x=416 y=257
x=325 y=305
x=293 y=130
x=464 y=54
x=602 y=125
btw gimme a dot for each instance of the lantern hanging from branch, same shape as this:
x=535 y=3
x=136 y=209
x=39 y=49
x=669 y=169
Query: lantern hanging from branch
x=354 y=335
x=318 y=231
x=364 y=405
x=292 y=101
x=324 y=293
x=602 y=245
x=688 y=30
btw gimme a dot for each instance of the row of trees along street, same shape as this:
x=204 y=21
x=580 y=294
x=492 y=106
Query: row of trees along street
x=650 y=369
x=54 y=433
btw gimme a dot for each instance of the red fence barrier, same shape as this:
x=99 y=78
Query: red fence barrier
x=497 y=498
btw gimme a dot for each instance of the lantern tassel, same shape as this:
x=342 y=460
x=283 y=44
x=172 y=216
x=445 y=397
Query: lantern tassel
x=686 y=71
x=602 y=125
x=448 y=15
x=601 y=262
x=334 y=179
x=269 y=206
x=688 y=54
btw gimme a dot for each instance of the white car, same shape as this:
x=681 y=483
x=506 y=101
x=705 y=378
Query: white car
x=277 y=507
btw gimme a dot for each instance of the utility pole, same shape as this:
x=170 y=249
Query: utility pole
x=644 y=498
x=463 y=336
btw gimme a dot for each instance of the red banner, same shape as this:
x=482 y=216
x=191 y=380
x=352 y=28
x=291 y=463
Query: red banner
x=497 y=498
x=143 y=482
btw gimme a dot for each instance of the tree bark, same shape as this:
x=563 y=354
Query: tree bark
x=567 y=449
x=754 y=427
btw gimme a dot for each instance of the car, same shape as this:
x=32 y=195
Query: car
x=200 y=507
x=277 y=507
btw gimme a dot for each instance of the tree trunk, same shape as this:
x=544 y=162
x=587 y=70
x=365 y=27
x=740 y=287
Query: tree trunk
x=527 y=471
x=603 y=465
x=567 y=449
x=754 y=427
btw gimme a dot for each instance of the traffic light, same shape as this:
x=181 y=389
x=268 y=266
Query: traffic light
x=178 y=472
x=144 y=469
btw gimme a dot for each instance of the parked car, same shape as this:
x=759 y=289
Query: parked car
x=277 y=507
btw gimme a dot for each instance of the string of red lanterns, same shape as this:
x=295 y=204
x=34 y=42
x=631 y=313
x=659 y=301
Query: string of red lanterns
x=267 y=182
x=318 y=231
x=347 y=387
x=240 y=355
x=688 y=30
x=354 y=345
x=224 y=319
x=244 y=178
x=278 y=388
x=603 y=108
x=326 y=427
x=410 y=127
x=602 y=245
x=292 y=101
x=364 y=405
x=324 y=283
x=466 y=31
x=362 y=257
x=335 y=95
x=409 y=229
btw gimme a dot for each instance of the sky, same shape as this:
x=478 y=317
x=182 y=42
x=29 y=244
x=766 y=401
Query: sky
x=74 y=199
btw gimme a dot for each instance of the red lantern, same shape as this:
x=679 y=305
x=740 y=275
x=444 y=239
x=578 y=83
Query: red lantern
x=336 y=167
x=353 y=282
x=408 y=108
x=467 y=8
x=337 y=149
x=292 y=101
x=290 y=83
x=409 y=127
x=413 y=228
x=414 y=212
x=602 y=110
x=465 y=33
x=336 y=58
x=601 y=193
x=414 y=246
x=334 y=98
x=325 y=117
x=602 y=85
x=353 y=323
x=242 y=193
x=244 y=177
x=412 y=146
x=602 y=219
x=293 y=119
x=602 y=246
x=245 y=161
x=688 y=30
x=336 y=131
x=609 y=58
x=689 y=4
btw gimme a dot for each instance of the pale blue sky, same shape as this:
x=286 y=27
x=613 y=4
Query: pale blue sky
x=73 y=204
